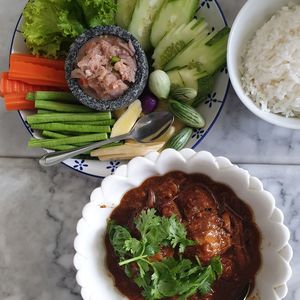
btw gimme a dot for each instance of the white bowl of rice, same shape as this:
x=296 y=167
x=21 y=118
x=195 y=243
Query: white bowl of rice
x=264 y=60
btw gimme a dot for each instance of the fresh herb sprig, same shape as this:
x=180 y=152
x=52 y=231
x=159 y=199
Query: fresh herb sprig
x=167 y=278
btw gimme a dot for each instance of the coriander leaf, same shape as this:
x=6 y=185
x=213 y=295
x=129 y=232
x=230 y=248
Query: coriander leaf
x=144 y=267
x=146 y=221
x=217 y=266
x=133 y=246
x=177 y=234
x=114 y=59
x=128 y=271
x=153 y=234
x=165 y=284
x=118 y=235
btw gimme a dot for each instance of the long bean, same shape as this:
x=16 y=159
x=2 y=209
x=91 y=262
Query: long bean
x=72 y=147
x=68 y=117
x=61 y=107
x=103 y=123
x=53 y=135
x=55 y=96
x=30 y=96
x=71 y=128
x=45 y=143
x=43 y=111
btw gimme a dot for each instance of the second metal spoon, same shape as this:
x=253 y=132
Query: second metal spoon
x=146 y=129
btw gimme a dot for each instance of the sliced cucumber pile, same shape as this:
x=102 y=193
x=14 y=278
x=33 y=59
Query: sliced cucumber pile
x=173 y=13
x=205 y=55
x=124 y=13
x=142 y=19
x=176 y=39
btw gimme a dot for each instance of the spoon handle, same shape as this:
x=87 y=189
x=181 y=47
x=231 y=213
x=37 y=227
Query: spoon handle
x=54 y=158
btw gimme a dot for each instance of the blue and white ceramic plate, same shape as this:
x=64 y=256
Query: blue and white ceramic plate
x=210 y=108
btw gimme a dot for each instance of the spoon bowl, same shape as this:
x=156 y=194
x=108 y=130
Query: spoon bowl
x=145 y=130
x=152 y=126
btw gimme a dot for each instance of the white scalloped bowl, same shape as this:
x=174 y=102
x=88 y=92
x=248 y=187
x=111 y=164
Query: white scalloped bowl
x=89 y=260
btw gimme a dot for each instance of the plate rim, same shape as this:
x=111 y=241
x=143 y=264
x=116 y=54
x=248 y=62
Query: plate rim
x=196 y=143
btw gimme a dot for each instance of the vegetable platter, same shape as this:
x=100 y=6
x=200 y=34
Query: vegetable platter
x=209 y=108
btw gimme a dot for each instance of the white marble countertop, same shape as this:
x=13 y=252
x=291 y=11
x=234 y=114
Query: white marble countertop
x=40 y=208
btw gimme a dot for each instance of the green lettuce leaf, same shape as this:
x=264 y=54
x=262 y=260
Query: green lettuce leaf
x=98 y=12
x=50 y=26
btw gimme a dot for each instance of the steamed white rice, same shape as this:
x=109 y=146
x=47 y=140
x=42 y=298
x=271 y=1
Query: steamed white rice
x=271 y=64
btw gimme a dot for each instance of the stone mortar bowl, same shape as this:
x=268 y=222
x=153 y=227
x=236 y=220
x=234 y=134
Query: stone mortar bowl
x=135 y=89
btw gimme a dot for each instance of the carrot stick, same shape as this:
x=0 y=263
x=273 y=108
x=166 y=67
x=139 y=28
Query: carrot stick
x=14 y=98
x=37 y=75
x=53 y=63
x=38 y=71
x=18 y=106
x=8 y=86
x=14 y=102
x=3 y=77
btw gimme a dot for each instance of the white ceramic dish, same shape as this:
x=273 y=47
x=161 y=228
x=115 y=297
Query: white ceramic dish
x=89 y=260
x=210 y=108
x=251 y=17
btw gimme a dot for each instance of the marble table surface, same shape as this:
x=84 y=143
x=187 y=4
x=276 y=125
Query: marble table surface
x=40 y=207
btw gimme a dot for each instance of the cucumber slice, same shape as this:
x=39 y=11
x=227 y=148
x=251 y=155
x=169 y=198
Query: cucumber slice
x=185 y=77
x=205 y=86
x=202 y=82
x=124 y=13
x=205 y=55
x=174 y=41
x=172 y=14
x=142 y=19
x=175 y=79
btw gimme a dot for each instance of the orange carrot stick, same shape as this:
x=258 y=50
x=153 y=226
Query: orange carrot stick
x=37 y=74
x=53 y=63
x=8 y=86
x=15 y=102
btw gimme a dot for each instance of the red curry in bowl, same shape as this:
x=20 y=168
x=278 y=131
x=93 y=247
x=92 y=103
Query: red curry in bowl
x=216 y=220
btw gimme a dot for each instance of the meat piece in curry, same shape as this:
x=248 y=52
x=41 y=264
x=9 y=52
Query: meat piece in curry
x=217 y=221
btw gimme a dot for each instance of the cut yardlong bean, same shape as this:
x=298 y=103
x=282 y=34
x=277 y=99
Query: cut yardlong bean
x=45 y=143
x=100 y=123
x=103 y=123
x=43 y=111
x=71 y=128
x=72 y=147
x=61 y=107
x=62 y=147
x=68 y=117
x=30 y=96
x=53 y=135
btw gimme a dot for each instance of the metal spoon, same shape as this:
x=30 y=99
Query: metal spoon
x=145 y=130
x=245 y=292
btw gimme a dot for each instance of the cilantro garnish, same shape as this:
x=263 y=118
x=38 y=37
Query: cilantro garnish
x=115 y=59
x=170 y=277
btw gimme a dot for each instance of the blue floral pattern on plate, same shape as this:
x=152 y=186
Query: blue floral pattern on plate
x=113 y=166
x=198 y=133
x=80 y=164
x=212 y=99
x=206 y=3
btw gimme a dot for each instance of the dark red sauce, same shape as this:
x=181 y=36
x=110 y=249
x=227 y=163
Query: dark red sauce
x=220 y=223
